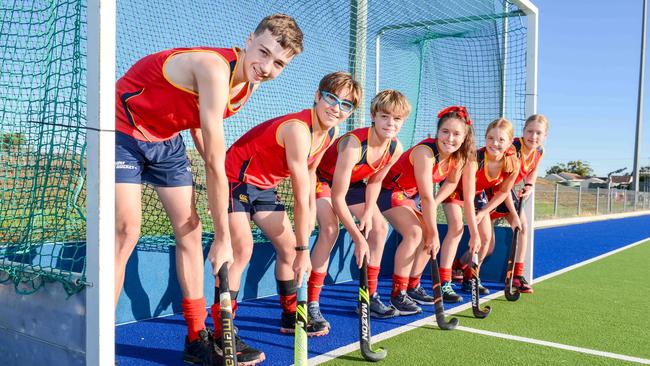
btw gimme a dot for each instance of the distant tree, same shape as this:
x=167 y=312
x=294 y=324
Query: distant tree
x=557 y=169
x=582 y=168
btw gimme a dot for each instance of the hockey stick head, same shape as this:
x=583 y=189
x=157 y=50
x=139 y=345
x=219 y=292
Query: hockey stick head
x=511 y=293
x=476 y=308
x=444 y=324
x=372 y=355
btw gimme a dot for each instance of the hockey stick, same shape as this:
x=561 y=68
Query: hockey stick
x=227 y=329
x=364 y=320
x=437 y=299
x=478 y=312
x=513 y=294
x=300 y=340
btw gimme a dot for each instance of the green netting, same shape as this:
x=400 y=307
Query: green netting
x=436 y=52
x=42 y=223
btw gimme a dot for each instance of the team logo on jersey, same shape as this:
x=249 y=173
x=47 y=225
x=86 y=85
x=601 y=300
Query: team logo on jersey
x=400 y=197
x=243 y=198
x=319 y=187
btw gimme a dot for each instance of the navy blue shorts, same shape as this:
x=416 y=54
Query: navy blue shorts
x=356 y=192
x=248 y=198
x=389 y=198
x=502 y=209
x=162 y=164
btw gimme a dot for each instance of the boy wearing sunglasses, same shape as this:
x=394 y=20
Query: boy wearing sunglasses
x=289 y=146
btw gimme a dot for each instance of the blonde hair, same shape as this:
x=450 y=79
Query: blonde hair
x=467 y=149
x=390 y=101
x=285 y=30
x=508 y=162
x=337 y=81
x=537 y=118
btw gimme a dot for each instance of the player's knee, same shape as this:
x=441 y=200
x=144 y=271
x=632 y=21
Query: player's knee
x=242 y=253
x=126 y=233
x=329 y=231
x=412 y=238
x=380 y=230
x=285 y=255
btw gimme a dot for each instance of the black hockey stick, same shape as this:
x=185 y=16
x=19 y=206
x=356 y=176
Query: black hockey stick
x=513 y=294
x=300 y=341
x=364 y=320
x=227 y=329
x=476 y=309
x=437 y=296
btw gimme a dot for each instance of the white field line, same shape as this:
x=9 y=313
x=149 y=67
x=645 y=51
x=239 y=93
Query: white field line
x=432 y=319
x=541 y=224
x=556 y=345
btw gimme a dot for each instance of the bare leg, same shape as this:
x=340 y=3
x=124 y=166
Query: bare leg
x=179 y=205
x=328 y=225
x=128 y=214
x=241 y=238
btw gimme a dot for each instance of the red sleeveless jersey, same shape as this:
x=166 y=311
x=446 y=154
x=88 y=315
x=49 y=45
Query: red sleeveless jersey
x=259 y=159
x=401 y=175
x=525 y=167
x=363 y=168
x=149 y=107
x=483 y=179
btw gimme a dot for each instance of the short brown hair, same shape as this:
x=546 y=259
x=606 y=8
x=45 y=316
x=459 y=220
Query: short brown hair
x=390 y=101
x=338 y=81
x=285 y=30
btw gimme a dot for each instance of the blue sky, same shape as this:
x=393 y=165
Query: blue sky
x=587 y=82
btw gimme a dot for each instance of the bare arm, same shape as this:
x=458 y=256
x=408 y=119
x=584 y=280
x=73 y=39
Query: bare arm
x=296 y=139
x=349 y=150
x=423 y=166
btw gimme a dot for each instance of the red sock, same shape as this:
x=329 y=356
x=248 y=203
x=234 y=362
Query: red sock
x=467 y=272
x=457 y=264
x=373 y=277
x=445 y=274
x=194 y=314
x=414 y=282
x=519 y=269
x=314 y=285
x=215 y=310
x=288 y=303
x=399 y=284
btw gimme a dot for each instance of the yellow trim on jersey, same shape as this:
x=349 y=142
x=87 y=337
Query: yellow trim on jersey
x=486 y=170
x=526 y=164
x=383 y=156
x=435 y=162
x=230 y=81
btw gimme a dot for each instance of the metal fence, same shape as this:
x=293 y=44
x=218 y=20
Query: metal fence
x=564 y=201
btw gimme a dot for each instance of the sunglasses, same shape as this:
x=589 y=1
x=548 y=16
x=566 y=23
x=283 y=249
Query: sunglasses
x=333 y=100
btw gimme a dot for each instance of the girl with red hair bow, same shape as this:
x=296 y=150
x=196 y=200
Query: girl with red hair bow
x=430 y=161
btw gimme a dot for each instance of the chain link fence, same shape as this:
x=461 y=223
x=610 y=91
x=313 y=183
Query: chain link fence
x=565 y=201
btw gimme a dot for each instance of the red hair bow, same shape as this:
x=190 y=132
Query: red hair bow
x=459 y=109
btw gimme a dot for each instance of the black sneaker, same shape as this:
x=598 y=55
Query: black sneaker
x=378 y=309
x=448 y=293
x=200 y=351
x=482 y=290
x=420 y=296
x=317 y=322
x=246 y=355
x=288 y=326
x=404 y=304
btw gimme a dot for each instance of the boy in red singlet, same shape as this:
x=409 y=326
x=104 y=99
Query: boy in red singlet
x=160 y=96
x=289 y=146
x=364 y=153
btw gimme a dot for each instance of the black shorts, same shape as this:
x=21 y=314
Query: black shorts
x=248 y=198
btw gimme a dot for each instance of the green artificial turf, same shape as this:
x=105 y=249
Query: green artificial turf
x=601 y=306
